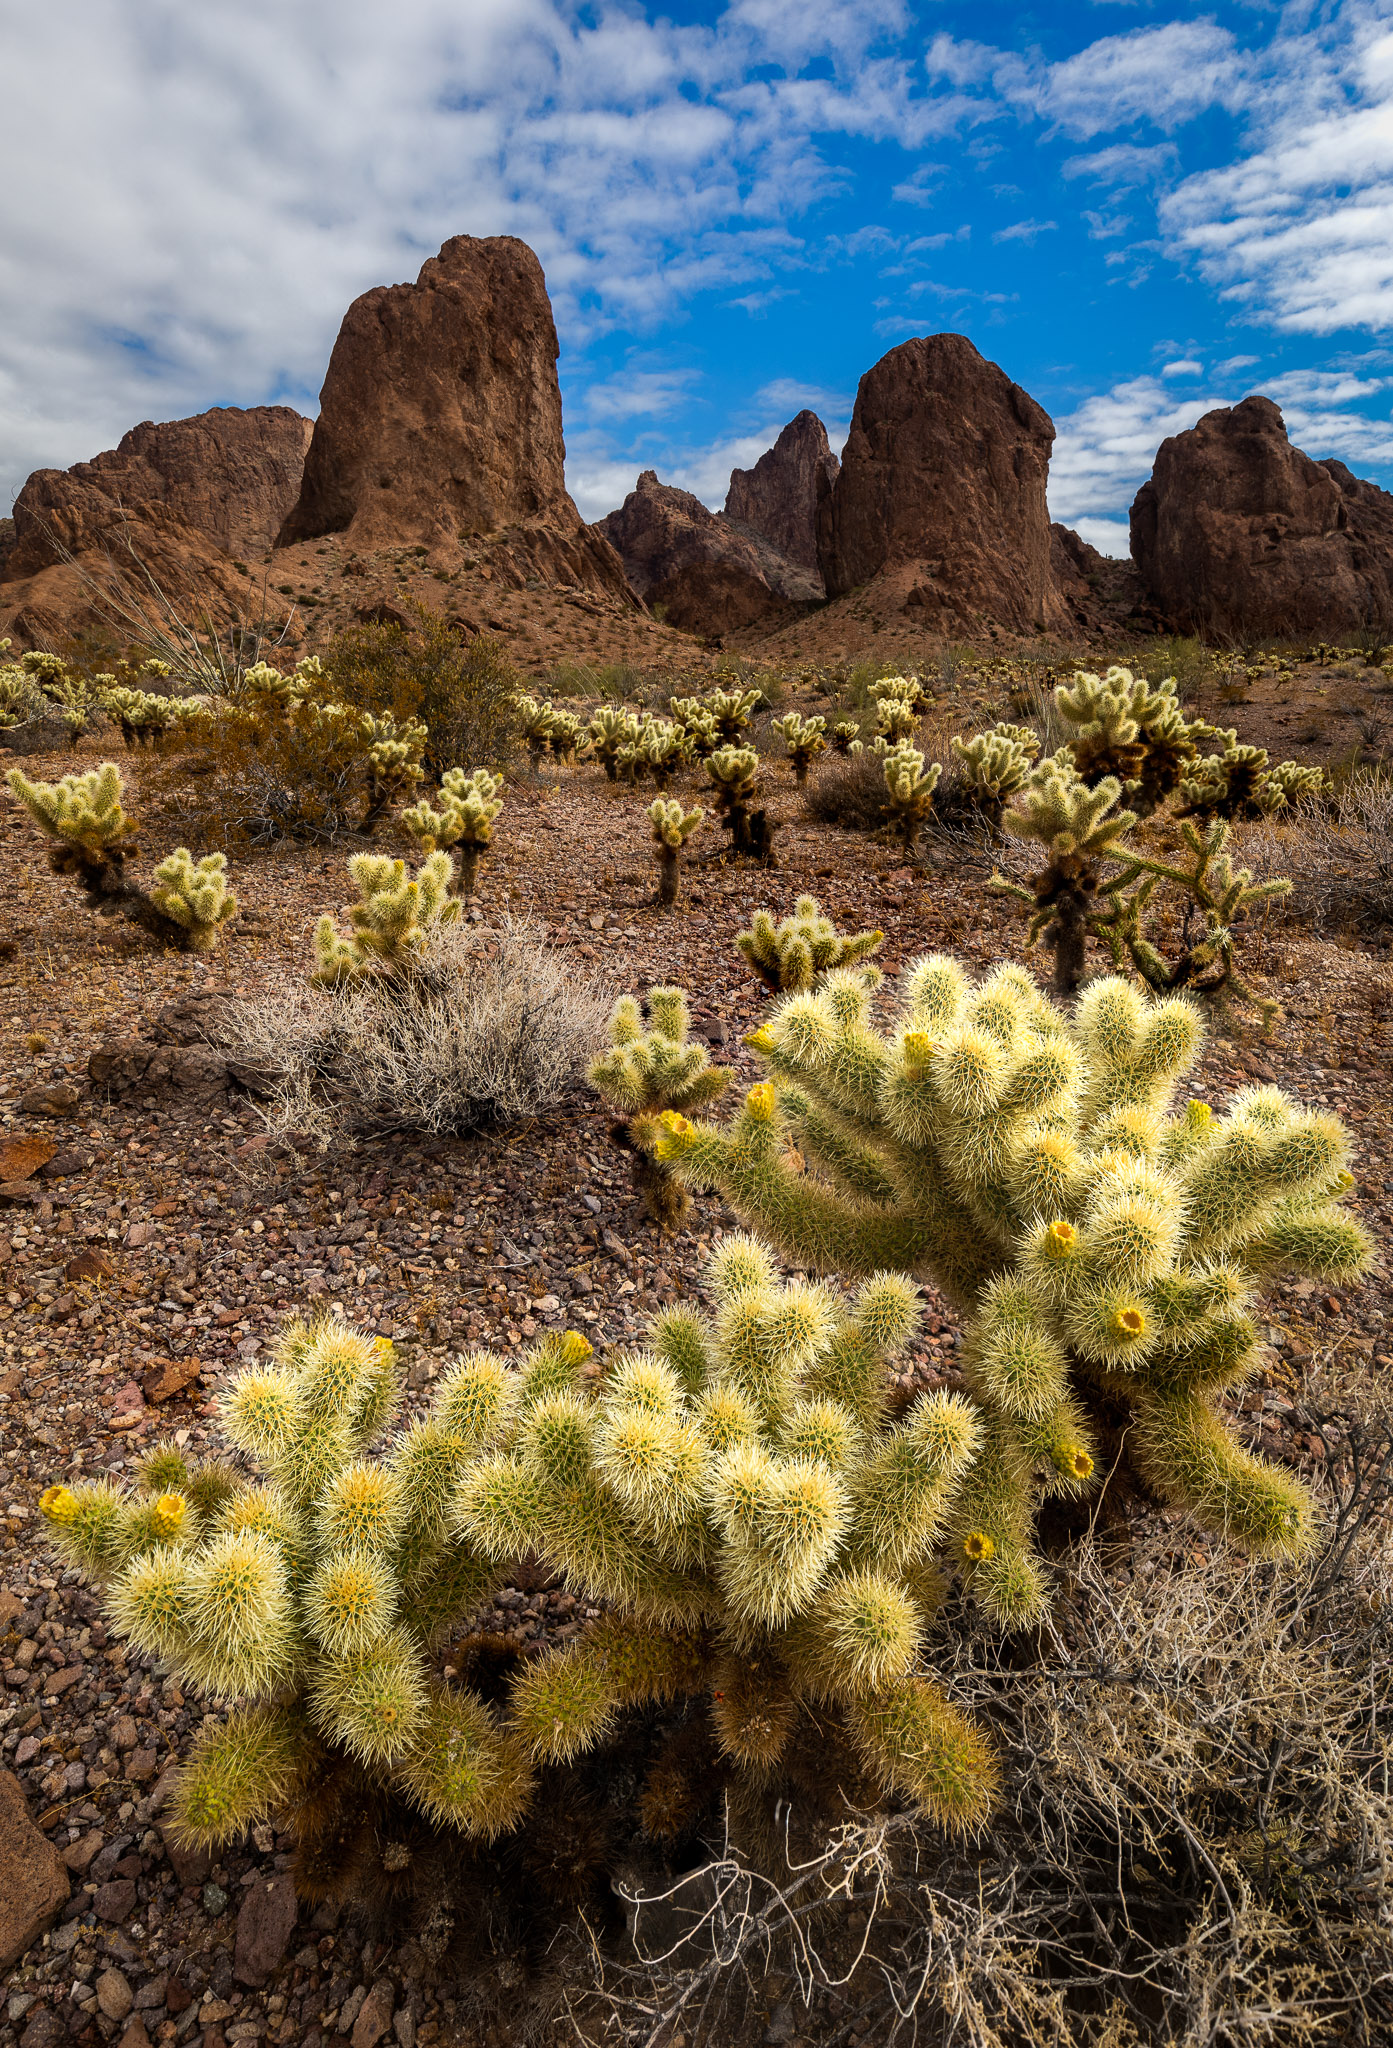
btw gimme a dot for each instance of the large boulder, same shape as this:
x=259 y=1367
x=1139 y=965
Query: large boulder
x=228 y=477
x=33 y=1878
x=697 y=570
x=778 y=498
x=1238 y=532
x=440 y=422
x=941 y=494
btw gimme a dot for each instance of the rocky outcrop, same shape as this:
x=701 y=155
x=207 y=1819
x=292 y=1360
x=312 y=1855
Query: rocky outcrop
x=1237 y=532
x=779 y=497
x=941 y=492
x=440 y=423
x=1098 y=591
x=225 y=478
x=697 y=570
x=34 y=1884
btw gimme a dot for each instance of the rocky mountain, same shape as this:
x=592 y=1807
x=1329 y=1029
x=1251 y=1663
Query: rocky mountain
x=941 y=492
x=175 y=503
x=229 y=475
x=440 y=423
x=1238 y=532
x=701 y=572
x=778 y=498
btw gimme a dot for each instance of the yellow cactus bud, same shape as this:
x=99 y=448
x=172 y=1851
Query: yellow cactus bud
x=760 y=1101
x=58 y=1504
x=574 y=1349
x=918 y=1049
x=674 y=1123
x=1129 y=1322
x=1060 y=1239
x=1079 y=1463
x=978 y=1546
x=1198 y=1115
x=759 y=1040
x=167 y=1514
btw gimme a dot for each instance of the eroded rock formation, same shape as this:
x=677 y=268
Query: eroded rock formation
x=778 y=498
x=229 y=476
x=941 y=492
x=699 y=571
x=1239 y=532
x=440 y=423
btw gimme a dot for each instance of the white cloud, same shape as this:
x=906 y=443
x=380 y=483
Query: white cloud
x=196 y=193
x=1163 y=75
x=1124 y=164
x=1185 y=367
x=1301 y=229
x=1024 y=230
x=1110 y=536
x=636 y=394
x=1104 y=450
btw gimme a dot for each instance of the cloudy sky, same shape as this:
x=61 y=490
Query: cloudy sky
x=1139 y=209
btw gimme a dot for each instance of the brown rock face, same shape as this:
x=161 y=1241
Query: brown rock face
x=440 y=420
x=33 y=1879
x=1239 y=532
x=228 y=476
x=1098 y=591
x=942 y=486
x=709 y=576
x=779 y=497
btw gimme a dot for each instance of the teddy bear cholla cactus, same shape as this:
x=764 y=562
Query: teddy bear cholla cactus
x=85 y=819
x=909 y=790
x=470 y=805
x=672 y=828
x=391 y=920
x=805 y=739
x=797 y=951
x=737 y=1496
x=308 y=1596
x=1080 y=831
x=647 y=1069
x=994 y=764
x=1102 y=1243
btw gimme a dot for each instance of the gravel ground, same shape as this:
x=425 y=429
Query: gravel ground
x=165 y=1239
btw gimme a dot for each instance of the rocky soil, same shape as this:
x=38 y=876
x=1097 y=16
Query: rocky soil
x=152 y=1239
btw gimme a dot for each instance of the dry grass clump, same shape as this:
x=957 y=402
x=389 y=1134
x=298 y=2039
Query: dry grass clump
x=1195 y=1844
x=463 y=689
x=488 y=1027
x=1339 y=855
x=848 y=790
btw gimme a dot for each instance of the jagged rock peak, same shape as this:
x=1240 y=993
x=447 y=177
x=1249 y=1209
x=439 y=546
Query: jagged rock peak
x=779 y=497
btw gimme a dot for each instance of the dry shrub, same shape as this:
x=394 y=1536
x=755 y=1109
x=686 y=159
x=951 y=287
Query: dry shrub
x=490 y=1027
x=848 y=790
x=463 y=689
x=1195 y=1846
x=1339 y=856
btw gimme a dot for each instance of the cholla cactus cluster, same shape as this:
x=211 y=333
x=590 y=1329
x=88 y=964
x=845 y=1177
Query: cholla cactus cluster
x=799 y=950
x=90 y=835
x=1079 y=831
x=649 y=1068
x=21 y=698
x=759 y=1530
x=470 y=805
x=899 y=702
x=909 y=789
x=805 y=739
x=1241 y=782
x=994 y=765
x=1219 y=891
x=672 y=828
x=1101 y=1239
x=390 y=922
x=734 y=776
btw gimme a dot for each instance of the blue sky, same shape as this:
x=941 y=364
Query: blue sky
x=1139 y=210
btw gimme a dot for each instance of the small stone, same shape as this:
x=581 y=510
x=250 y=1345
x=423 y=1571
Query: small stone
x=45 y=2030
x=135 y=2035
x=78 y=1855
x=88 y=1266
x=141 y=1766
x=190 y=1865
x=116 y=1900
x=22 y=1156
x=264 y=1927
x=169 y=1378
x=177 y=1995
x=214 y=1899
x=56 y=1098
x=124 y=1733
x=34 y=1884
x=374 y=2015
x=114 y=1994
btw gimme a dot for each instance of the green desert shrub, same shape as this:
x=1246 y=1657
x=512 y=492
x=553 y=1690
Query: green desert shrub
x=1103 y=1241
x=464 y=689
